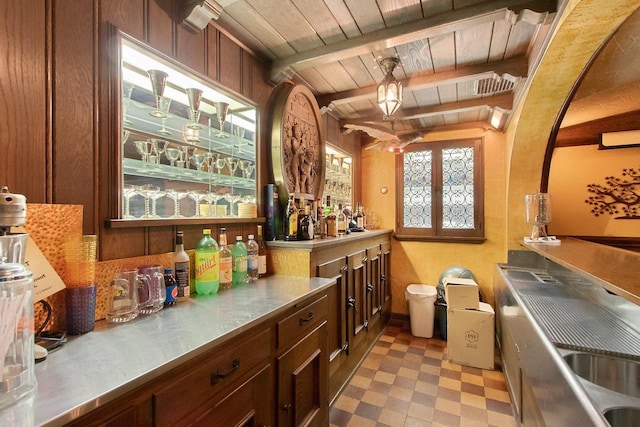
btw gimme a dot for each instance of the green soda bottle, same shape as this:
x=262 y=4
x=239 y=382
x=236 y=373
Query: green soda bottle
x=207 y=264
x=239 y=259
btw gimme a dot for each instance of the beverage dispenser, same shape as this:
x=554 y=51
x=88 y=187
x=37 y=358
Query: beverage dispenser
x=17 y=372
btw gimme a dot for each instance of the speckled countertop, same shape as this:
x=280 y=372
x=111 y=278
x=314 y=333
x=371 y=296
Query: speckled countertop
x=95 y=368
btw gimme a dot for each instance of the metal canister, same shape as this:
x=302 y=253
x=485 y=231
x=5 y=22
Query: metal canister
x=17 y=370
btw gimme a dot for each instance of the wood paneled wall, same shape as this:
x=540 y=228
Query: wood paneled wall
x=57 y=131
x=25 y=147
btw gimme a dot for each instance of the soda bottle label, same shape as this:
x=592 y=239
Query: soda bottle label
x=226 y=268
x=182 y=273
x=207 y=267
x=240 y=264
x=252 y=262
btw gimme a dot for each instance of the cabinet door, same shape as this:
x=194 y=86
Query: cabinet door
x=356 y=299
x=303 y=382
x=246 y=406
x=337 y=309
x=385 y=277
x=338 y=343
x=373 y=284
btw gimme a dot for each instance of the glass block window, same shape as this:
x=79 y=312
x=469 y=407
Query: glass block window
x=440 y=189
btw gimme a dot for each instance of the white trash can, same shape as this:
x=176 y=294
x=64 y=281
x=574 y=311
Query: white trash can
x=421 y=300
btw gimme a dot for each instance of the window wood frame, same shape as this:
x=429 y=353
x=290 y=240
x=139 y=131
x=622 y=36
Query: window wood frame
x=436 y=232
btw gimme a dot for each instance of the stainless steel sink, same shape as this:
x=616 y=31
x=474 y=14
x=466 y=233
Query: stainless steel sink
x=623 y=417
x=612 y=373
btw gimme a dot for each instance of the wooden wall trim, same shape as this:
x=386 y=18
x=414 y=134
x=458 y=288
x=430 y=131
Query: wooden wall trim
x=629 y=243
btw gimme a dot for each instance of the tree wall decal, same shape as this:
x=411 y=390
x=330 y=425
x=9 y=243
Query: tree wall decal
x=619 y=195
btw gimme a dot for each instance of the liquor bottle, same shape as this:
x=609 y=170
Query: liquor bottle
x=253 y=263
x=239 y=259
x=207 y=264
x=305 y=229
x=291 y=220
x=181 y=267
x=332 y=224
x=226 y=261
x=327 y=207
x=171 y=286
x=322 y=221
x=359 y=216
x=342 y=220
x=262 y=254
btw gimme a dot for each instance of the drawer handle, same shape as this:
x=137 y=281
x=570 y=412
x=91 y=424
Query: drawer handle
x=369 y=287
x=287 y=408
x=304 y=320
x=216 y=376
x=383 y=278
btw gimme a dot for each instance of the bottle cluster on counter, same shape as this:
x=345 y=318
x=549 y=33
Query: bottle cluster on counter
x=148 y=289
x=308 y=220
x=220 y=266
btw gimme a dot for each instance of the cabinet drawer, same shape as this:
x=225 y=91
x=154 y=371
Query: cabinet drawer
x=301 y=322
x=200 y=383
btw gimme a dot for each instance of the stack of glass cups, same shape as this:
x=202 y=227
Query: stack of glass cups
x=80 y=259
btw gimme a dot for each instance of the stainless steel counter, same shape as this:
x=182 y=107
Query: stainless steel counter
x=93 y=369
x=549 y=319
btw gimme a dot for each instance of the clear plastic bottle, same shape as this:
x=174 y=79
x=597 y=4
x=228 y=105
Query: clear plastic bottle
x=262 y=254
x=171 y=287
x=239 y=256
x=181 y=268
x=226 y=261
x=253 y=262
x=207 y=264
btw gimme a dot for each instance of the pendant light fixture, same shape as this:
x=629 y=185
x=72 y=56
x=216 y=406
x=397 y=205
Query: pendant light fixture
x=389 y=89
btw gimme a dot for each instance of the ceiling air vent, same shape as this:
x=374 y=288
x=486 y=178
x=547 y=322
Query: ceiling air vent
x=492 y=85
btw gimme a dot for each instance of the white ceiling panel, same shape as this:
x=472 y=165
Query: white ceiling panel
x=334 y=47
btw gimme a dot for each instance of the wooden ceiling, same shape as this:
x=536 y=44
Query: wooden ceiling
x=447 y=49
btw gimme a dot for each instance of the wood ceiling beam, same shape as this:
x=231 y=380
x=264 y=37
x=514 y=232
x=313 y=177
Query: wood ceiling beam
x=516 y=67
x=443 y=23
x=503 y=101
x=588 y=133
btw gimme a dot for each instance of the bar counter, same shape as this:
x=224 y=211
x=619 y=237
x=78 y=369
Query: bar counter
x=93 y=369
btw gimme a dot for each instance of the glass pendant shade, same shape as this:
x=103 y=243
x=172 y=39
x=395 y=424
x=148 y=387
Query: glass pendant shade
x=389 y=89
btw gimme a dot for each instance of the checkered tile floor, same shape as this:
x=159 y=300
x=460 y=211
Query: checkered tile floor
x=407 y=381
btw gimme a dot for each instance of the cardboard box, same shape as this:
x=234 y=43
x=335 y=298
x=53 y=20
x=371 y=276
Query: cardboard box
x=471 y=337
x=461 y=293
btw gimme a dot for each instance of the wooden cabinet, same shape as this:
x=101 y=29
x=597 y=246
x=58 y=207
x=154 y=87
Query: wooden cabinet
x=302 y=365
x=374 y=306
x=359 y=304
x=210 y=376
x=246 y=406
x=338 y=343
x=303 y=382
x=275 y=373
x=357 y=318
x=385 y=278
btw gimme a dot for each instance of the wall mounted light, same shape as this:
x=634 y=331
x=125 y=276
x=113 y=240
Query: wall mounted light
x=389 y=89
x=498 y=117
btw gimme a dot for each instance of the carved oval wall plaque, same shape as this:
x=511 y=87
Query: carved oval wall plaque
x=297 y=143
